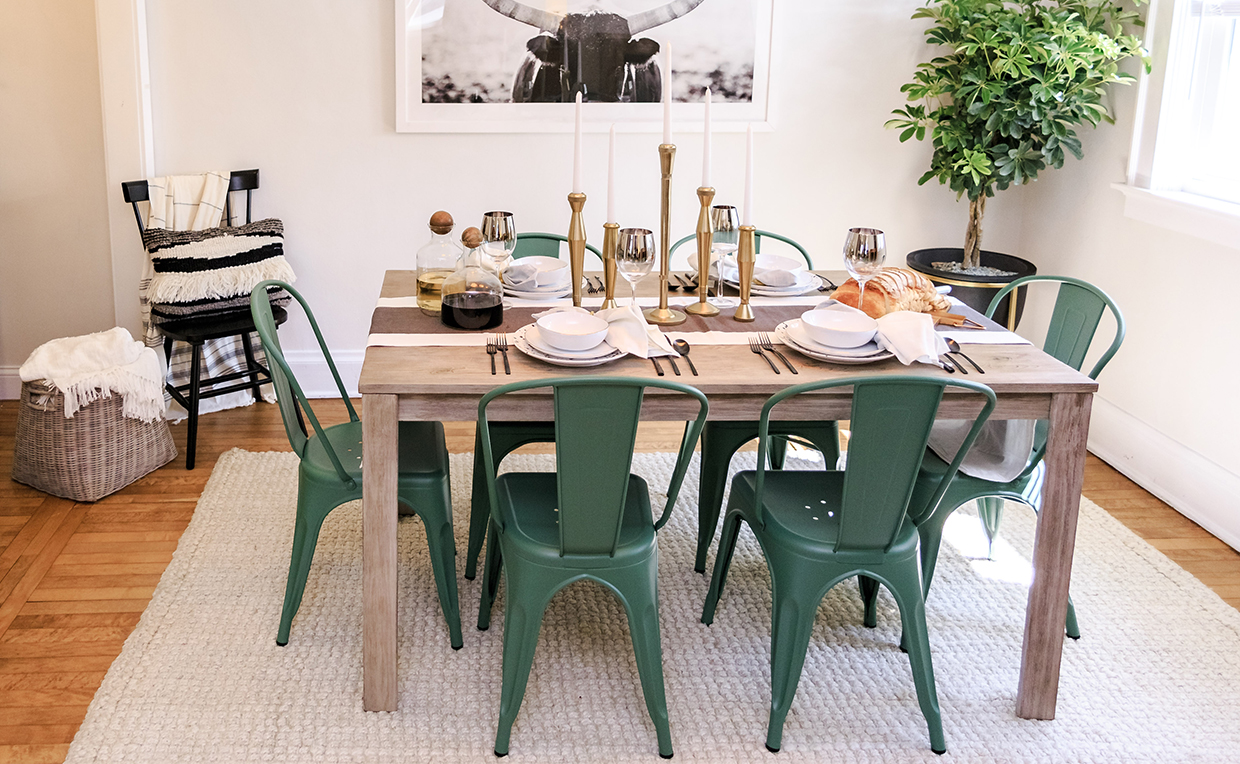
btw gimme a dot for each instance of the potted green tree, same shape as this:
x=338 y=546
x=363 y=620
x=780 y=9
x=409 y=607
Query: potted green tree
x=1001 y=101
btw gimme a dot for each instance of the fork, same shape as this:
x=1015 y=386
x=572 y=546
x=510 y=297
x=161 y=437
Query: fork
x=753 y=346
x=491 y=352
x=503 y=348
x=764 y=340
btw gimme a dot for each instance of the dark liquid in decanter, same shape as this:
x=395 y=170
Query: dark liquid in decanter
x=472 y=310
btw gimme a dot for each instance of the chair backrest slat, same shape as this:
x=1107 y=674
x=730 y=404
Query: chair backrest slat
x=531 y=243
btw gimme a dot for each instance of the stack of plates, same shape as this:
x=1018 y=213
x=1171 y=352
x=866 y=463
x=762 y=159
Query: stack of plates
x=527 y=340
x=793 y=334
x=806 y=281
x=552 y=272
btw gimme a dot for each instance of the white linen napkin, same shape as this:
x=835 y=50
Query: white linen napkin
x=775 y=277
x=529 y=276
x=911 y=337
x=627 y=330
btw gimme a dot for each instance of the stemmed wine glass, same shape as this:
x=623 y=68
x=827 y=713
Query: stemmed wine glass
x=635 y=255
x=499 y=237
x=725 y=237
x=865 y=249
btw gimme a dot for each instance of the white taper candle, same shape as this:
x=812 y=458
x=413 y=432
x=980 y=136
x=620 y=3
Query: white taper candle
x=611 y=175
x=667 y=93
x=706 y=145
x=747 y=212
x=577 y=149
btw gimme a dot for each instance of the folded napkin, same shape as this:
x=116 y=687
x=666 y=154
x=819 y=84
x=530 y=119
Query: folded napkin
x=94 y=366
x=628 y=331
x=775 y=277
x=910 y=336
x=530 y=276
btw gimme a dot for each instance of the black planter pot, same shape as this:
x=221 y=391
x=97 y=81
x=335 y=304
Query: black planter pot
x=977 y=291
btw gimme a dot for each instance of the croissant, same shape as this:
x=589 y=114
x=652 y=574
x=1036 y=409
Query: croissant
x=894 y=289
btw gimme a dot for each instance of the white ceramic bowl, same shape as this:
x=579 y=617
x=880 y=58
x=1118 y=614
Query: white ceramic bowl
x=570 y=330
x=839 y=329
x=552 y=271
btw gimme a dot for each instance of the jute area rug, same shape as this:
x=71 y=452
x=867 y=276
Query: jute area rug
x=1156 y=677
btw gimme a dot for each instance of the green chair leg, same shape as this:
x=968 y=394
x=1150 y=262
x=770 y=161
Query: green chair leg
x=305 y=537
x=1071 y=627
x=778 y=452
x=793 y=609
x=442 y=545
x=907 y=593
x=479 y=516
x=490 y=580
x=990 y=512
x=638 y=587
x=869 y=597
x=723 y=561
x=522 y=622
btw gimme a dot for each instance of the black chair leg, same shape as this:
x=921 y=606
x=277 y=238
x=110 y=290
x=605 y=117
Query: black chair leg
x=191 y=436
x=251 y=366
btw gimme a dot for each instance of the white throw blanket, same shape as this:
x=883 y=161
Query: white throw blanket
x=94 y=366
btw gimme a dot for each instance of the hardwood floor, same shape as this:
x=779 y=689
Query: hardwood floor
x=75 y=578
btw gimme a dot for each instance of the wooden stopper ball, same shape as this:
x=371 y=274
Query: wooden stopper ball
x=441 y=222
x=471 y=237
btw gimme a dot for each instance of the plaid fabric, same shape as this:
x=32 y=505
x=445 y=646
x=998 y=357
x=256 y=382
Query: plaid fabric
x=219 y=357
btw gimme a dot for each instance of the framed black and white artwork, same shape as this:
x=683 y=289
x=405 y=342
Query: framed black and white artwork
x=516 y=66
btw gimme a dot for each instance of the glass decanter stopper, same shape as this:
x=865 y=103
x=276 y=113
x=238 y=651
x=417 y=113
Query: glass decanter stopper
x=473 y=297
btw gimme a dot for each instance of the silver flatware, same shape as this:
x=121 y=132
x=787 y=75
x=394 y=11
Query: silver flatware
x=682 y=347
x=601 y=286
x=503 y=348
x=675 y=368
x=658 y=369
x=957 y=365
x=753 y=347
x=955 y=348
x=764 y=340
x=491 y=350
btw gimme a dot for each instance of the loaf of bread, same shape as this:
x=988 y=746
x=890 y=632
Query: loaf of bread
x=894 y=289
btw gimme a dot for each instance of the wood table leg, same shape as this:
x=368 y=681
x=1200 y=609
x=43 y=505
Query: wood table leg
x=1052 y=556
x=379 y=469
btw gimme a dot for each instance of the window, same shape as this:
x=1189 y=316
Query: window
x=1197 y=149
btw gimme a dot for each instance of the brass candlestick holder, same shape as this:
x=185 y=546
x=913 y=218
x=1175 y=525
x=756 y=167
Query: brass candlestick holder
x=662 y=315
x=745 y=257
x=576 y=244
x=706 y=195
x=611 y=236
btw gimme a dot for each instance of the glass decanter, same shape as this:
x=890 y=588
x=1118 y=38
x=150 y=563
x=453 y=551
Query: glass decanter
x=436 y=260
x=472 y=296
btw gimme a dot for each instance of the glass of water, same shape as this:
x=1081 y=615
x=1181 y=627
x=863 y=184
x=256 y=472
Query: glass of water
x=635 y=255
x=725 y=236
x=865 y=250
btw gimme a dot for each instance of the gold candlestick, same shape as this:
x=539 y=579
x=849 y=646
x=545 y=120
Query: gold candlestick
x=611 y=236
x=576 y=244
x=661 y=315
x=745 y=257
x=706 y=195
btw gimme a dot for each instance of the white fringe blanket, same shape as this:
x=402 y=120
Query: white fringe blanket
x=94 y=366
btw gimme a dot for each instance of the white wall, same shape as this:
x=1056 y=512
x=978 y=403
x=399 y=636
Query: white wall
x=304 y=91
x=1166 y=413
x=55 y=279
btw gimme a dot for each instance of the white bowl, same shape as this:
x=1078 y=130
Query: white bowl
x=839 y=328
x=570 y=330
x=552 y=271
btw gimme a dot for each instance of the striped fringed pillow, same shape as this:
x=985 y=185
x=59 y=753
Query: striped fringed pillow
x=210 y=269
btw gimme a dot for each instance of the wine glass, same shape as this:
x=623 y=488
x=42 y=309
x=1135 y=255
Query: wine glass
x=635 y=255
x=865 y=249
x=725 y=236
x=499 y=237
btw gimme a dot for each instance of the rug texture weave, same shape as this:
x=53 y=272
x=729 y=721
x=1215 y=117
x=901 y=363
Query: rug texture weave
x=1156 y=677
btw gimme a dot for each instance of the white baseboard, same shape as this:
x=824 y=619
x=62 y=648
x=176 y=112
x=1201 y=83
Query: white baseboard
x=10 y=383
x=1196 y=487
x=316 y=379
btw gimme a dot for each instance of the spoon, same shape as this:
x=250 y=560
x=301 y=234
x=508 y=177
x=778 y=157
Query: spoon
x=682 y=347
x=955 y=348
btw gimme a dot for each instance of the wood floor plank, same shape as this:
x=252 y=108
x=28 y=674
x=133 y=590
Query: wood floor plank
x=12 y=603
x=38 y=698
x=33 y=754
x=75 y=621
x=43 y=715
x=54 y=635
x=70 y=664
x=85 y=606
x=52 y=680
x=34 y=734
x=99 y=593
x=36 y=650
x=108 y=569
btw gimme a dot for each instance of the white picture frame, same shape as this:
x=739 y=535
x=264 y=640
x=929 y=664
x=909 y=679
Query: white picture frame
x=414 y=116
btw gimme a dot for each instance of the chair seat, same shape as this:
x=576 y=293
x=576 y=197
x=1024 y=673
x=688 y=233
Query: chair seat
x=963 y=487
x=802 y=512
x=423 y=454
x=527 y=502
x=195 y=330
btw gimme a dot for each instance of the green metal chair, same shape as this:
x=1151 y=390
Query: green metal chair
x=590 y=519
x=508 y=436
x=330 y=473
x=817 y=529
x=546 y=244
x=1074 y=321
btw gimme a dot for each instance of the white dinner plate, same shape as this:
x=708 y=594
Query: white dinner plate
x=597 y=356
x=534 y=336
x=806 y=282
x=789 y=332
x=541 y=294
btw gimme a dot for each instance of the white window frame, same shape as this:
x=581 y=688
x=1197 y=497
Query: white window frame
x=1152 y=193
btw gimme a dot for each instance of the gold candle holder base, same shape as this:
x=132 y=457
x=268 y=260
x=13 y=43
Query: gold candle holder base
x=611 y=237
x=663 y=315
x=745 y=256
x=702 y=308
x=576 y=244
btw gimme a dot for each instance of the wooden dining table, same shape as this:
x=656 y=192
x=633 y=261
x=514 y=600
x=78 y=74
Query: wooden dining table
x=445 y=383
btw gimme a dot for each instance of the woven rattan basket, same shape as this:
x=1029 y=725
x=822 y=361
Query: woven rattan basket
x=85 y=458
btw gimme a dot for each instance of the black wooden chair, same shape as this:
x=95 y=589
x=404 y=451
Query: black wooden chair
x=197 y=331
